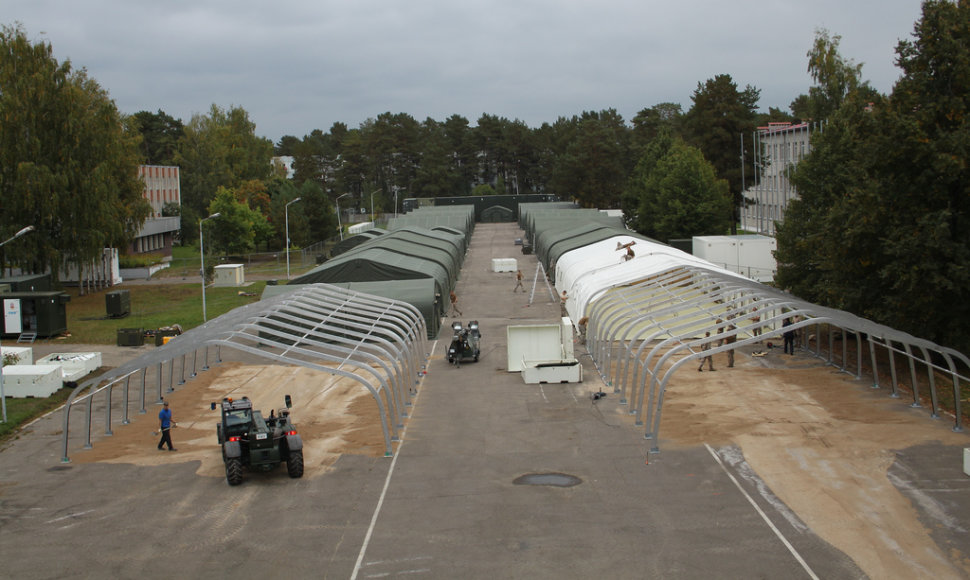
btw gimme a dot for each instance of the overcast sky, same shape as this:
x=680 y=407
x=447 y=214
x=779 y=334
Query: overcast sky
x=300 y=65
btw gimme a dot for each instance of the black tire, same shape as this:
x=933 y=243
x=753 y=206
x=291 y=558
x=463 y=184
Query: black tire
x=234 y=471
x=294 y=464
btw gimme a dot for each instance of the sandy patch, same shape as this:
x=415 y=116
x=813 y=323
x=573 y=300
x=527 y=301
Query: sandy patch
x=823 y=443
x=334 y=415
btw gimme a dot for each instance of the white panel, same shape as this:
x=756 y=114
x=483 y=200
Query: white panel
x=537 y=342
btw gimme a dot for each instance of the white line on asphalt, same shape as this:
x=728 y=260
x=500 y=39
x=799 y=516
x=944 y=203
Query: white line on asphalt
x=387 y=483
x=764 y=516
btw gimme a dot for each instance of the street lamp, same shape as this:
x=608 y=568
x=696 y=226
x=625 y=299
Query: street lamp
x=372 y=215
x=3 y=396
x=286 y=213
x=339 y=227
x=202 y=256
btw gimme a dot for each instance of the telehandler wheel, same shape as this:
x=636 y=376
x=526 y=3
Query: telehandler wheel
x=234 y=471
x=294 y=465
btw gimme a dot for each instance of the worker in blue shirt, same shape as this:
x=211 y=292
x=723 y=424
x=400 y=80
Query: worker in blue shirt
x=165 y=424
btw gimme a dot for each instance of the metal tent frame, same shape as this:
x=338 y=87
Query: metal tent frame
x=378 y=342
x=656 y=324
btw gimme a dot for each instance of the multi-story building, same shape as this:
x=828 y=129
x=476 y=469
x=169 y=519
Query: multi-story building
x=162 y=186
x=778 y=149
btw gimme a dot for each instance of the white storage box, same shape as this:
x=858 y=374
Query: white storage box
x=229 y=275
x=504 y=265
x=74 y=365
x=31 y=380
x=25 y=354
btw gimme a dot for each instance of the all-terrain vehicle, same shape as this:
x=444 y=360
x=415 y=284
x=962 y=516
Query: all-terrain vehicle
x=465 y=343
x=250 y=441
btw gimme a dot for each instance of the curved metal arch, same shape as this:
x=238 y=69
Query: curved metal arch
x=366 y=339
x=328 y=341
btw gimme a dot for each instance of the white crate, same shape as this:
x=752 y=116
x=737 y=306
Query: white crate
x=25 y=354
x=504 y=265
x=74 y=365
x=31 y=380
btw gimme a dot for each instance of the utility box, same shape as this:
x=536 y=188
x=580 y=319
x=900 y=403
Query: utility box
x=31 y=380
x=118 y=303
x=44 y=313
x=131 y=337
x=229 y=275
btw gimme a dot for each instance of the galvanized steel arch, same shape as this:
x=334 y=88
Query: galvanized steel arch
x=644 y=310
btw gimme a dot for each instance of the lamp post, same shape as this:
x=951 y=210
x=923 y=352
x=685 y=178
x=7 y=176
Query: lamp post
x=202 y=256
x=339 y=227
x=372 y=215
x=286 y=213
x=3 y=396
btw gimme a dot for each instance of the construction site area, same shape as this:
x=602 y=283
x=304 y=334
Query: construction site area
x=773 y=466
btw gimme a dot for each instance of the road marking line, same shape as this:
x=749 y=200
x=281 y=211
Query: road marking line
x=387 y=484
x=763 y=515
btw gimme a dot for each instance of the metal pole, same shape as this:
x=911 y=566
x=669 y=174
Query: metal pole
x=340 y=228
x=202 y=256
x=286 y=212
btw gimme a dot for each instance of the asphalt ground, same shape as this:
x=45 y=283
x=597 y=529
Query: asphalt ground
x=452 y=501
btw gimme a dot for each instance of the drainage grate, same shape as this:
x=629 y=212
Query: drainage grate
x=554 y=479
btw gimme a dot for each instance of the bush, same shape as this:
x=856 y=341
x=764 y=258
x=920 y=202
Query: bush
x=140 y=260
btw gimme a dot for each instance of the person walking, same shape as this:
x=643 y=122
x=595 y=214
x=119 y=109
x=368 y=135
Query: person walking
x=454 y=304
x=789 y=336
x=518 y=282
x=165 y=424
x=708 y=359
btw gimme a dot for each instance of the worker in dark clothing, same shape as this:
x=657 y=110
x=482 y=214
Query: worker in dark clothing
x=165 y=424
x=789 y=336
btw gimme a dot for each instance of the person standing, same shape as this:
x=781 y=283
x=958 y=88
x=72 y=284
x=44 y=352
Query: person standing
x=562 y=305
x=730 y=339
x=454 y=304
x=789 y=336
x=518 y=281
x=165 y=427
x=708 y=359
x=755 y=322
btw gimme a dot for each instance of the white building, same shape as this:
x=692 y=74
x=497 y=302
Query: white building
x=778 y=149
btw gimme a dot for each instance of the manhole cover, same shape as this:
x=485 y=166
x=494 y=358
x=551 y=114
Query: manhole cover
x=554 y=479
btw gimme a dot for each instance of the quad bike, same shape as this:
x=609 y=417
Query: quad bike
x=465 y=344
x=250 y=441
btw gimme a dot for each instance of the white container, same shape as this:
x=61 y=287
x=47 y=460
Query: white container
x=74 y=365
x=229 y=275
x=966 y=460
x=504 y=265
x=25 y=354
x=748 y=255
x=533 y=342
x=31 y=380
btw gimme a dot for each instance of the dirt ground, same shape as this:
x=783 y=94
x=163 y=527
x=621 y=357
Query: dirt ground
x=333 y=415
x=821 y=441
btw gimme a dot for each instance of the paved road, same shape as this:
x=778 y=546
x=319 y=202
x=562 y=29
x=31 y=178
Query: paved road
x=450 y=504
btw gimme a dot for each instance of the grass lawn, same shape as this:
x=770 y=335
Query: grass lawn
x=152 y=306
